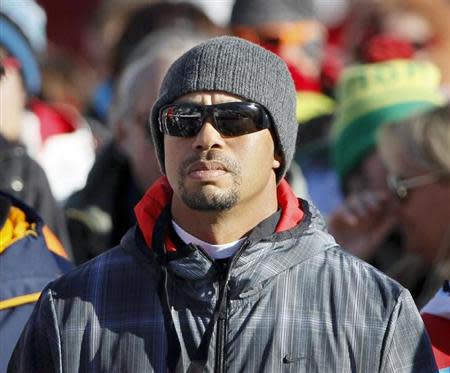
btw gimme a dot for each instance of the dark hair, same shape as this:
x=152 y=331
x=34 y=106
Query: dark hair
x=152 y=17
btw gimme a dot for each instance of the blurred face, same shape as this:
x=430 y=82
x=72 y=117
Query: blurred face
x=133 y=136
x=424 y=214
x=299 y=44
x=139 y=148
x=306 y=53
x=12 y=98
x=209 y=172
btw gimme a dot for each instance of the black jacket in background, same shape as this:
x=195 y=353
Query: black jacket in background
x=102 y=212
x=24 y=179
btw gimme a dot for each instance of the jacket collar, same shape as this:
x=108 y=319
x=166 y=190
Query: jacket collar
x=159 y=196
x=300 y=234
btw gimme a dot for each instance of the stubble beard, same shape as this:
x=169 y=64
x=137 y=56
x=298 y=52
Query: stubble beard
x=208 y=200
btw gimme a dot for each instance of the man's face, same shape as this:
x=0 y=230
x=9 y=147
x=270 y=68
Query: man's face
x=209 y=172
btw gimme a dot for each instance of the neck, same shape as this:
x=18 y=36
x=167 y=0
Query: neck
x=220 y=227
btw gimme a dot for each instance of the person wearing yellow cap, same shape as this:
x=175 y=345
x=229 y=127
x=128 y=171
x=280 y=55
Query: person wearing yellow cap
x=291 y=30
x=370 y=96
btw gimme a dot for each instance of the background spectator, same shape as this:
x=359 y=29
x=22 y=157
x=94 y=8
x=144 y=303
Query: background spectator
x=370 y=96
x=101 y=213
x=20 y=175
x=30 y=257
x=56 y=137
x=416 y=153
x=141 y=21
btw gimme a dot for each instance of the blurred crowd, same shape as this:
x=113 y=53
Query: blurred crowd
x=373 y=145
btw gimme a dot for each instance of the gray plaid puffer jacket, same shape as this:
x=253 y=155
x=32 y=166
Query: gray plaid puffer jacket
x=291 y=302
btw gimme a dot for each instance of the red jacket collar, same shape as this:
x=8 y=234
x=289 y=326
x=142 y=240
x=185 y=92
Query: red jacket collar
x=159 y=195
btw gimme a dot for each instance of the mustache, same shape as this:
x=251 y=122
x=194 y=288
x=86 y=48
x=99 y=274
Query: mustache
x=213 y=156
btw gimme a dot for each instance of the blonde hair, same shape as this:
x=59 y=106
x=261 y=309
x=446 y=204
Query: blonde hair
x=423 y=139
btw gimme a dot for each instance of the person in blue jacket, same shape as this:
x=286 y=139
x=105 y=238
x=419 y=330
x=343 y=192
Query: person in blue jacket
x=30 y=257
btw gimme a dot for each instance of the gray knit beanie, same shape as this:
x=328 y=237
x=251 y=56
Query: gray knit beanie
x=235 y=66
x=258 y=12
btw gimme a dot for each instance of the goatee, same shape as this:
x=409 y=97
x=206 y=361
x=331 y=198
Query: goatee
x=203 y=200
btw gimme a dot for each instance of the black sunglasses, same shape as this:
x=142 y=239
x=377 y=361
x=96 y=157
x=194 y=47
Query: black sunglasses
x=229 y=119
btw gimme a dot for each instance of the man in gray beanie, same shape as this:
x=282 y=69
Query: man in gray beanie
x=226 y=270
x=232 y=66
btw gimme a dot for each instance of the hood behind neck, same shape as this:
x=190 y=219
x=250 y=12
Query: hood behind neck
x=159 y=196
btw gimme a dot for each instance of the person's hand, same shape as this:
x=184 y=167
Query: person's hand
x=362 y=223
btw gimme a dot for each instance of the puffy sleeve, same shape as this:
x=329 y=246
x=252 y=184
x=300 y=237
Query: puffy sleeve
x=406 y=346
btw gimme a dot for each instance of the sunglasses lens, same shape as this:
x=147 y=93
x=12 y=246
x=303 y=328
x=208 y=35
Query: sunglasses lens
x=237 y=119
x=181 y=120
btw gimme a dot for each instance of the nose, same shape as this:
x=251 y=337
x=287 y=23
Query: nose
x=207 y=138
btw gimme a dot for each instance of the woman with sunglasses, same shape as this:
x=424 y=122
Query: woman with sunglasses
x=416 y=153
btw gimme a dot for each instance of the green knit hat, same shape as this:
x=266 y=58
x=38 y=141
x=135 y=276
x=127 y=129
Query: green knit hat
x=372 y=95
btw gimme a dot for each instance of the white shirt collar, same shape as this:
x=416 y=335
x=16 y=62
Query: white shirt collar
x=222 y=251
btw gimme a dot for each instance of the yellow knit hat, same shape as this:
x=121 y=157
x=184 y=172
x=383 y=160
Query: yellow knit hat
x=372 y=95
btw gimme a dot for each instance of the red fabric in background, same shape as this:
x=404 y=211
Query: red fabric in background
x=53 y=121
x=438 y=329
x=301 y=81
x=385 y=47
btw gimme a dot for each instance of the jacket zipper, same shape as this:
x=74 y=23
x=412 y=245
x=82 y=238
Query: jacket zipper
x=222 y=320
x=221 y=334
